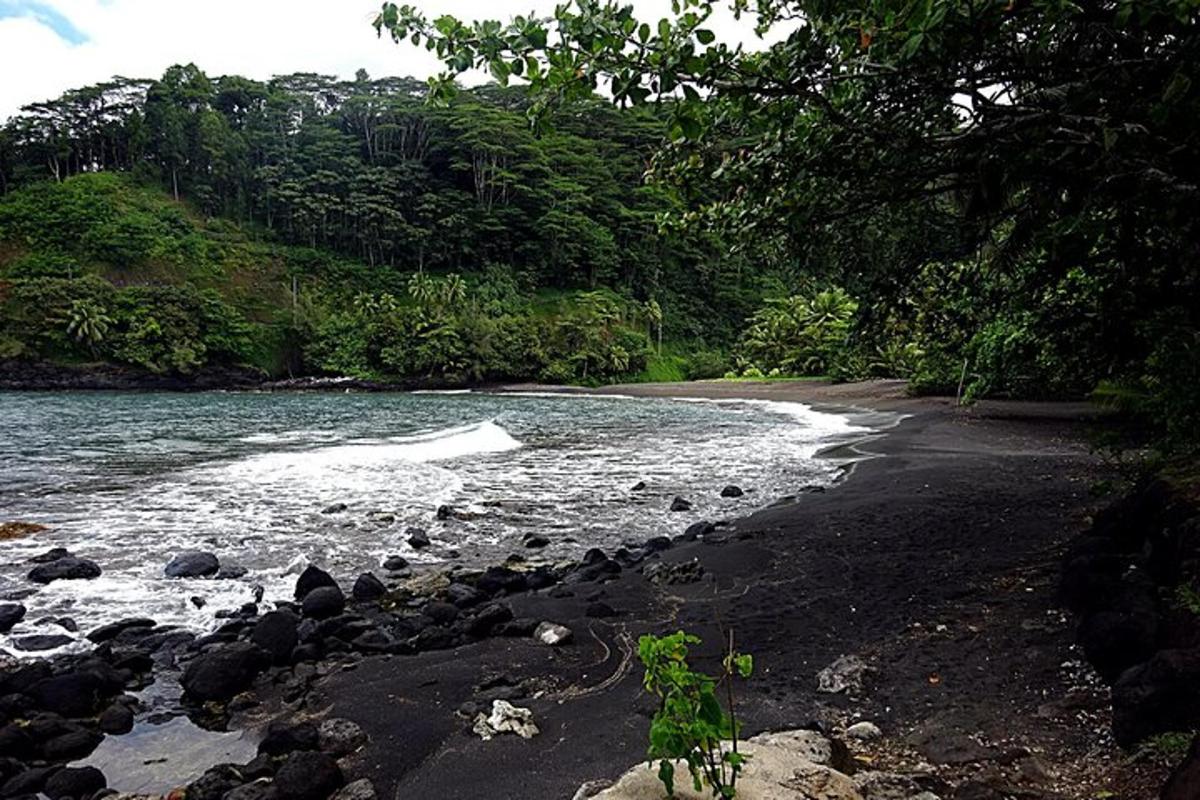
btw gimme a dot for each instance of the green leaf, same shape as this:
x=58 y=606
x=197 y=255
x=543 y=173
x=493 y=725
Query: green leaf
x=666 y=774
x=705 y=36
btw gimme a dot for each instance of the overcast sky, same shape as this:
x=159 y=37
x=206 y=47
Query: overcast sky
x=49 y=46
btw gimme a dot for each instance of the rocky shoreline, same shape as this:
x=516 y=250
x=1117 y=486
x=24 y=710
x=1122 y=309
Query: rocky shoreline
x=24 y=375
x=906 y=625
x=266 y=657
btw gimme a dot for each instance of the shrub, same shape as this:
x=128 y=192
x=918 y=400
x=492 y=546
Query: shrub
x=690 y=724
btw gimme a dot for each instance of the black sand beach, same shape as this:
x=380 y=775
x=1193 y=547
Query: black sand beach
x=936 y=562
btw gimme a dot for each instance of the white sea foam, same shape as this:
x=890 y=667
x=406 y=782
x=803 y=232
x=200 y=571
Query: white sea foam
x=237 y=482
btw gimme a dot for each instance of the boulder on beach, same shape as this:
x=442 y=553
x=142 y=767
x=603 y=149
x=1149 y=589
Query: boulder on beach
x=74 y=782
x=368 y=588
x=732 y=491
x=334 y=508
x=324 y=602
x=308 y=776
x=41 y=641
x=780 y=767
x=418 y=538
x=65 y=568
x=340 y=737
x=1156 y=697
x=74 y=694
x=224 y=671
x=114 y=629
x=10 y=615
x=282 y=738
x=312 y=578
x=679 y=504
x=192 y=564
x=395 y=563
x=276 y=633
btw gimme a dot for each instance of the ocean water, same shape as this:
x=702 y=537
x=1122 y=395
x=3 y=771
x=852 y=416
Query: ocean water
x=130 y=479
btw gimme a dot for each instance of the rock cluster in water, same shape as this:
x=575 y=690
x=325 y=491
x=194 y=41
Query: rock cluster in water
x=54 y=712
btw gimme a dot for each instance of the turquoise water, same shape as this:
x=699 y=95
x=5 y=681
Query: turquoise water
x=128 y=479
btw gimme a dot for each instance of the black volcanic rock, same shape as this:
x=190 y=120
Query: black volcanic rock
x=224 y=671
x=67 y=568
x=192 y=564
x=312 y=578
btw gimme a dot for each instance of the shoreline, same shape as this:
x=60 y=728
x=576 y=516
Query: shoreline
x=888 y=539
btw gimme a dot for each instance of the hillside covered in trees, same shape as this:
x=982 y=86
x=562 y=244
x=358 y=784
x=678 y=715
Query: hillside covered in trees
x=311 y=226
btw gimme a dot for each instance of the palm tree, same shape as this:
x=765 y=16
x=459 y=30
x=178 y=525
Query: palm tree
x=88 y=323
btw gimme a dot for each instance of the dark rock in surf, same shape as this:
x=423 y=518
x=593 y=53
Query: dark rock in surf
x=696 y=531
x=679 y=504
x=53 y=554
x=536 y=541
x=224 y=671
x=312 y=578
x=657 y=544
x=368 y=588
x=192 y=564
x=276 y=634
x=114 y=629
x=445 y=512
x=41 y=641
x=638 y=487
x=593 y=556
x=395 y=563
x=67 y=568
x=732 y=491
x=10 y=615
x=324 y=602
x=418 y=538
x=334 y=508
x=230 y=572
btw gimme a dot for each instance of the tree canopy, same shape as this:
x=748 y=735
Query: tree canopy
x=1035 y=159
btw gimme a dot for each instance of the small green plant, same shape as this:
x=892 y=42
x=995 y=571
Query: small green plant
x=690 y=724
x=1167 y=748
x=1187 y=597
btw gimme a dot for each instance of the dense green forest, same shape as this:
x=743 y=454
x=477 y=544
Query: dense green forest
x=312 y=226
x=1008 y=189
x=988 y=197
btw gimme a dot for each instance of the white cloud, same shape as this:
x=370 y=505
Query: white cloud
x=256 y=38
